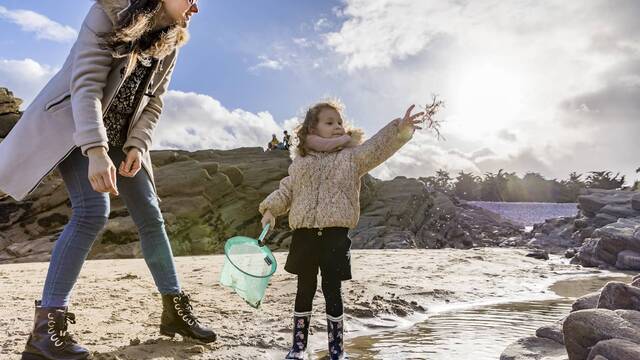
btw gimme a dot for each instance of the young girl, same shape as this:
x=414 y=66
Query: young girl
x=321 y=195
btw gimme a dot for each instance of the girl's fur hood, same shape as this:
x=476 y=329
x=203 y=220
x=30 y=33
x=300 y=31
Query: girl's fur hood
x=167 y=43
x=357 y=138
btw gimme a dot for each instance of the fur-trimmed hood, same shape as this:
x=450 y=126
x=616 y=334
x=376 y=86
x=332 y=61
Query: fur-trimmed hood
x=113 y=7
x=166 y=43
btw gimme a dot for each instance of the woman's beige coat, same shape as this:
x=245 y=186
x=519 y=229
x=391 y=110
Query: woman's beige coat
x=68 y=112
x=323 y=188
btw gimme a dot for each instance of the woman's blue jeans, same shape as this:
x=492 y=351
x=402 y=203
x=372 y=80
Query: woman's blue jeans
x=90 y=213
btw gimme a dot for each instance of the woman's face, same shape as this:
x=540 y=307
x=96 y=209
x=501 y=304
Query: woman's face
x=329 y=123
x=180 y=11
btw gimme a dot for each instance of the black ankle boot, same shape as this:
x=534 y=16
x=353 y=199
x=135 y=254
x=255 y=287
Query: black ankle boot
x=301 y=322
x=177 y=317
x=49 y=339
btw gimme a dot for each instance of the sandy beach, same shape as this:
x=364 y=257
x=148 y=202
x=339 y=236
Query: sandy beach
x=118 y=307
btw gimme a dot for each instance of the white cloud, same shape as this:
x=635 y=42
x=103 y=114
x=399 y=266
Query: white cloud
x=268 y=63
x=42 y=26
x=25 y=78
x=503 y=70
x=322 y=24
x=193 y=121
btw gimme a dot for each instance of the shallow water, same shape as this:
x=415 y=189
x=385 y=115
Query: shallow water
x=529 y=213
x=478 y=333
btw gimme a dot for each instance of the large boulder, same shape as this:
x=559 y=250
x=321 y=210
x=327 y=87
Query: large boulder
x=589 y=301
x=617 y=295
x=595 y=200
x=585 y=328
x=615 y=349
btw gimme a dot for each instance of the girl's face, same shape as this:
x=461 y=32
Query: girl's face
x=329 y=124
x=180 y=11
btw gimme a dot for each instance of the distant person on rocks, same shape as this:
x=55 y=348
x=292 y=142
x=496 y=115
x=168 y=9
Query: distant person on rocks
x=99 y=110
x=286 y=140
x=273 y=144
x=321 y=195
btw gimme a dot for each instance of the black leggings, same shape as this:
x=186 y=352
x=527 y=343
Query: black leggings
x=331 y=288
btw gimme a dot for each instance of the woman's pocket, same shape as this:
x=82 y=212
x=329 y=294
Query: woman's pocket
x=58 y=102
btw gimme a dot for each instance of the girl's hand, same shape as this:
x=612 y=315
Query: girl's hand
x=408 y=124
x=102 y=172
x=132 y=164
x=268 y=218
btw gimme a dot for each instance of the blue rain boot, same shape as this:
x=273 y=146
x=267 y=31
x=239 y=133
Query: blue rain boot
x=301 y=322
x=335 y=332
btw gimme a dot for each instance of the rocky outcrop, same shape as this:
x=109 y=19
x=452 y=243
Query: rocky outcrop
x=209 y=196
x=405 y=213
x=602 y=325
x=605 y=233
x=9 y=111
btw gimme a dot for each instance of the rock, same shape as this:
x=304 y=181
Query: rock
x=7 y=122
x=615 y=349
x=552 y=332
x=603 y=219
x=620 y=210
x=635 y=202
x=615 y=238
x=4 y=242
x=37 y=246
x=584 y=328
x=539 y=254
x=234 y=174
x=586 y=255
x=589 y=301
x=531 y=348
x=210 y=195
x=616 y=295
x=570 y=253
x=554 y=234
x=9 y=111
x=596 y=199
x=8 y=103
x=628 y=260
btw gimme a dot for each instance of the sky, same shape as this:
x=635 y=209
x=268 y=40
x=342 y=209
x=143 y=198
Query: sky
x=545 y=86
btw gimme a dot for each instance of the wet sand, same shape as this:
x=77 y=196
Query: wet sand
x=118 y=307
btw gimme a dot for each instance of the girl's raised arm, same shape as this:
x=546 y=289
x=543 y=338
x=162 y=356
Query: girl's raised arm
x=385 y=142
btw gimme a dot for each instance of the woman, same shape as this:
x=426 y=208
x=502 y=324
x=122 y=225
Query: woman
x=99 y=110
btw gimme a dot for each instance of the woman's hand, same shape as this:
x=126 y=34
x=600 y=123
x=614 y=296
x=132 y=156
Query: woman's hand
x=102 y=172
x=268 y=218
x=408 y=124
x=132 y=164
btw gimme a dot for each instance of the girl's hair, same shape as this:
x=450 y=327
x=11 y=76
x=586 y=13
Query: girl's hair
x=133 y=34
x=311 y=121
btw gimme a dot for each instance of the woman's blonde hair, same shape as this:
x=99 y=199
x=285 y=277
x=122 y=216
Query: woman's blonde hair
x=311 y=121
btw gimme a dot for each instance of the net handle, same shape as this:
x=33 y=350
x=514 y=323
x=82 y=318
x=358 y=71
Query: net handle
x=263 y=234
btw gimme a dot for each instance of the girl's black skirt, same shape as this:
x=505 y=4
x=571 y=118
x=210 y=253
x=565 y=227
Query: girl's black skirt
x=327 y=249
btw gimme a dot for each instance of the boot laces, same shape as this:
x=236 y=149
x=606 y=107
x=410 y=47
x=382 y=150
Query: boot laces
x=183 y=306
x=57 y=328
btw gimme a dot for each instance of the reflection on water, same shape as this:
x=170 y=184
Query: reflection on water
x=476 y=333
x=528 y=213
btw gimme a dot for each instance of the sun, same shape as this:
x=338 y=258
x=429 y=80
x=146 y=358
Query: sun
x=486 y=97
